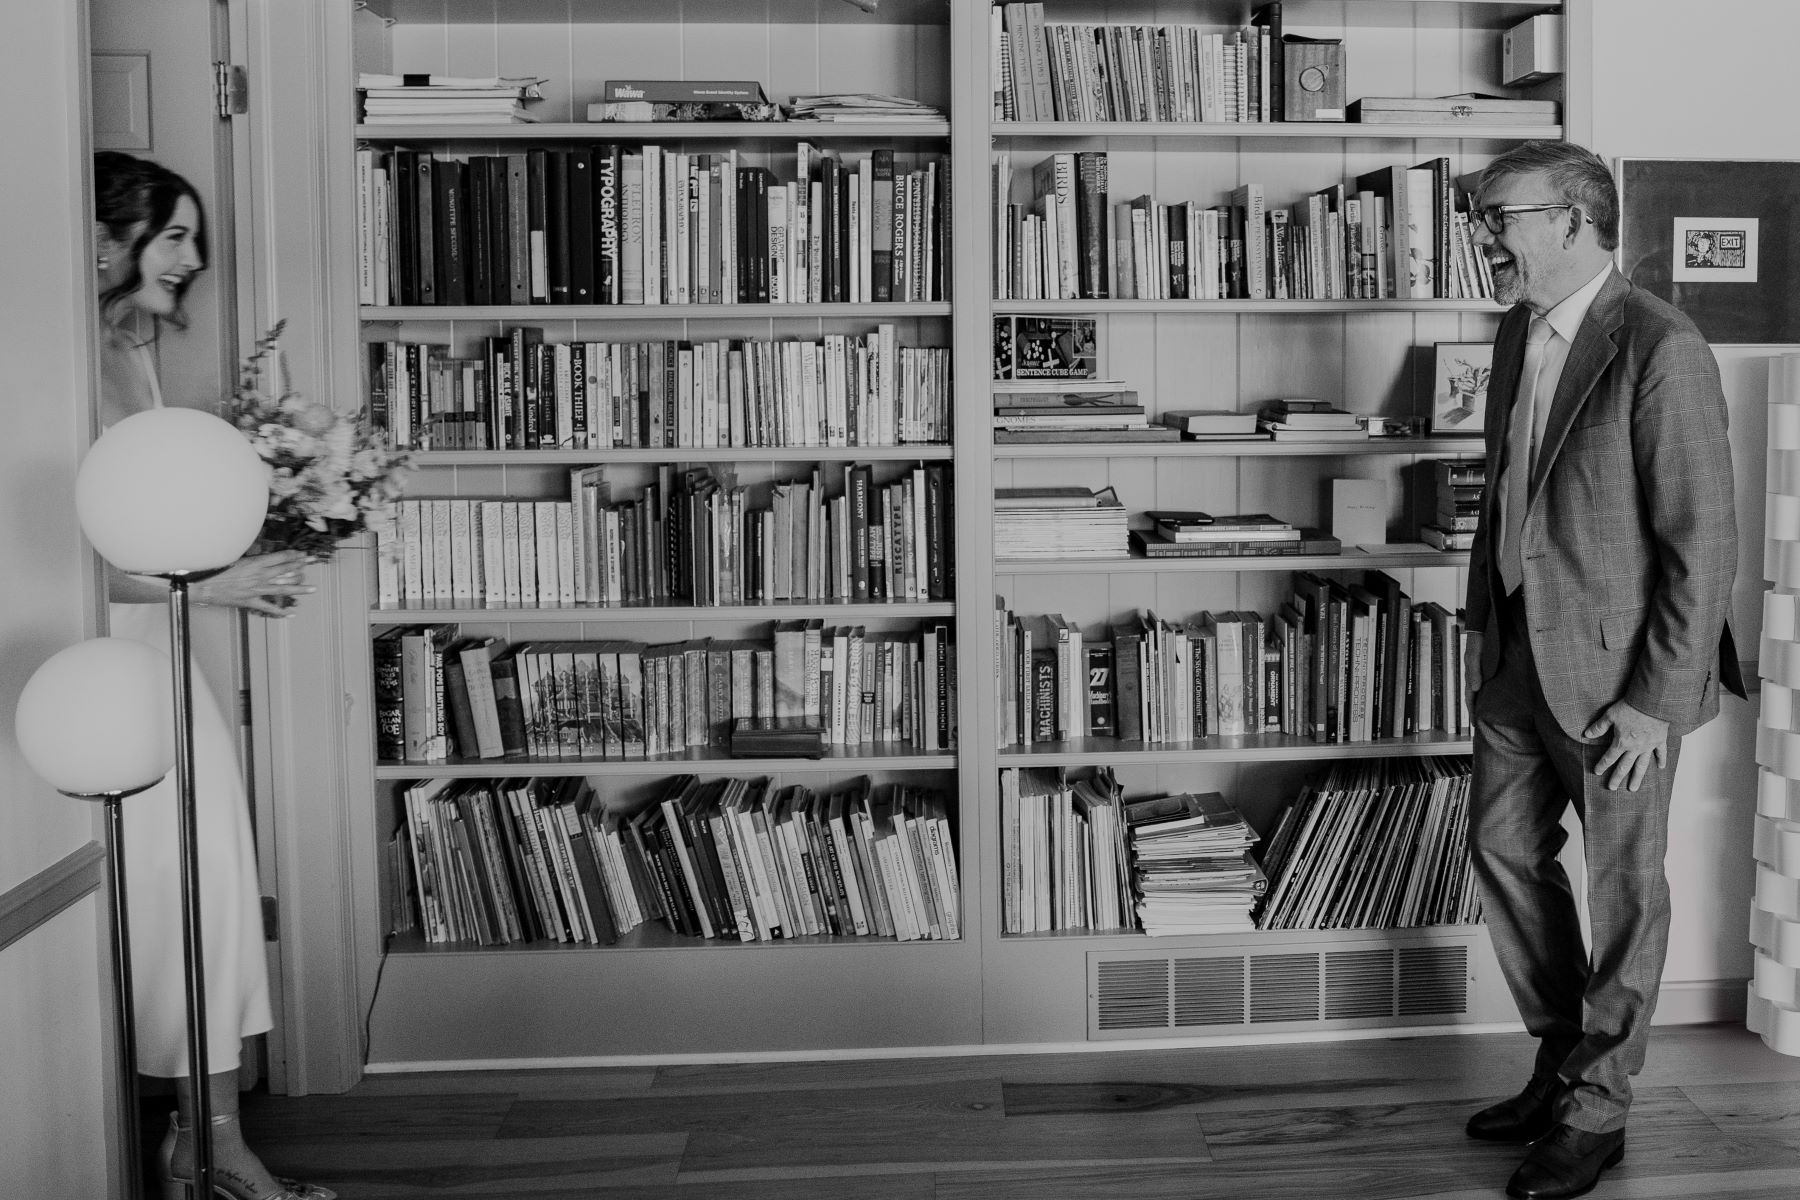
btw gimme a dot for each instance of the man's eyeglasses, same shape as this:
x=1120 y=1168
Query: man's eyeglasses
x=1494 y=215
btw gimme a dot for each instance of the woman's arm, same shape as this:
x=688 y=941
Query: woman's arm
x=254 y=583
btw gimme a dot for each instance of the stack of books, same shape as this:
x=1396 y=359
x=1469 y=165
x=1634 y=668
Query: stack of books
x=1377 y=844
x=1194 y=534
x=860 y=108
x=446 y=99
x=1089 y=411
x=1192 y=866
x=1310 y=421
x=1458 y=484
x=497 y=861
x=1214 y=425
x=1062 y=852
x=1058 y=522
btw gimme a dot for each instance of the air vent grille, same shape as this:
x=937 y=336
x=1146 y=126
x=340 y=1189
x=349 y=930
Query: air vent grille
x=1209 y=991
x=1359 y=983
x=1132 y=993
x=1139 y=993
x=1434 y=980
x=1284 y=987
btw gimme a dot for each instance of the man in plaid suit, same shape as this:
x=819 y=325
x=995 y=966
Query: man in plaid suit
x=1599 y=585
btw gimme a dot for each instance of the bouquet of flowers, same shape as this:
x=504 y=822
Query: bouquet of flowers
x=329 y=475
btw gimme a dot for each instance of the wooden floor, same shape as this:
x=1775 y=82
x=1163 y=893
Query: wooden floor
x=1717 y=1117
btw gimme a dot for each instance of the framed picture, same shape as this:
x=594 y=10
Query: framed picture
x=1718 y=239
x=1459 y=387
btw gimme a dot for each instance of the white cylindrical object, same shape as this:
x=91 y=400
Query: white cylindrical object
x=1777 y=938
x=1777 y=893
x=1777 y=797
x=1777 y=845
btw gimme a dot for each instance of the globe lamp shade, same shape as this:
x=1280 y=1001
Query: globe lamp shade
x=97 y=717
x=170 y=491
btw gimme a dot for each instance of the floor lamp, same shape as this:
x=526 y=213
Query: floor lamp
x=94 y=722
x=177 y=494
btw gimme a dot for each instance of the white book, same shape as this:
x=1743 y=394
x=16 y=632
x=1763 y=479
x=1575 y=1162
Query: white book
x=365 y=226
x=778 y=255
x=493 y=553
x=526 y=515
x=389 y=556
x=549 y=589
x=442 y=569
x=462 y=558
x=651 y=265
x=563 y=514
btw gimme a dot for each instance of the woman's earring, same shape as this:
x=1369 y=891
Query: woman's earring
x=104 y=263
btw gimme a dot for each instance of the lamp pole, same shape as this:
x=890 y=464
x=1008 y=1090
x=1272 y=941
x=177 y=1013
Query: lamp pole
x=193 y=953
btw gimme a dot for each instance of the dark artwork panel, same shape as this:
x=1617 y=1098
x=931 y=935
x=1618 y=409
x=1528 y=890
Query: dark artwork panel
x=1718 y=239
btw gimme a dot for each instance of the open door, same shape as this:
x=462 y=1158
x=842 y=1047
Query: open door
x=164 y=88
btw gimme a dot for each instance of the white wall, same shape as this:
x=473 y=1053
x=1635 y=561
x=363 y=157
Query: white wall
x=1675 y=79
x=54 y=1133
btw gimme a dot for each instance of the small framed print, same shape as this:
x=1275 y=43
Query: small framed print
x=1713 y=250
x=1459 y=387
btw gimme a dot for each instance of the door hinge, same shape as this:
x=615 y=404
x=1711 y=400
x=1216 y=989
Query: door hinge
x=271 y=913
x=231 y=90
x=246 y=713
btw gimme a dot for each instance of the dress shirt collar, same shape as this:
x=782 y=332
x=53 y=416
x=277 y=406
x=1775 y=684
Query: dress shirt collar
x=1566 y=317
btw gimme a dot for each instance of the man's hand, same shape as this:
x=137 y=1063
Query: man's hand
x=1472 y=667
x=1638 y=738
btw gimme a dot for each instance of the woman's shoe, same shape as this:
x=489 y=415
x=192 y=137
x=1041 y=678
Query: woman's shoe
x=226 y=1184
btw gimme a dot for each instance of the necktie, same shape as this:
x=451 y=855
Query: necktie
x=1521 y=429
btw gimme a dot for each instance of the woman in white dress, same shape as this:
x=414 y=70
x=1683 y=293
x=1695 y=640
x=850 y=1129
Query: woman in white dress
x=150 y=242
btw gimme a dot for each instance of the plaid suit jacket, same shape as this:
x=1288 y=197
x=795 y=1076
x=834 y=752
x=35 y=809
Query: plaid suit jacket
x=1630 y=538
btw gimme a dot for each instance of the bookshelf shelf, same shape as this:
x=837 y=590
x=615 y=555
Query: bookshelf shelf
x=660 y=131
x=657 y=938
x=1271 y=307
x=840 y=760
x=1373 y=446
x=677 y=454
x=1267 y=939
x=528 y=314
x=1266 y=747
x=618 y=614
x=1065 y=132
x=1353 y=561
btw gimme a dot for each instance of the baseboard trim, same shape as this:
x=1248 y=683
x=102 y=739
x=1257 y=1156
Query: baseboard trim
x=1699 y=1002
x=62 y=883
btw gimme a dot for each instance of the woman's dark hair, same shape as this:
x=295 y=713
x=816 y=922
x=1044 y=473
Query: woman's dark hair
x=135 y=199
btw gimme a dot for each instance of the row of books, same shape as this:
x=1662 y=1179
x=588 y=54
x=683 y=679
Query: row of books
x=1062 y=853
x=1399 y=232
x=440 y=696
x=689 y=536
x=1072 y=411
x=1338 y=663
x=1376 y=844
x=497 y=861
x=1192 y=866
x=522 y=393
x=612 y=223
x=1056 y=71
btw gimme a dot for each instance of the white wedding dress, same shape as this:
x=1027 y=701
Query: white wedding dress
x=237 y=978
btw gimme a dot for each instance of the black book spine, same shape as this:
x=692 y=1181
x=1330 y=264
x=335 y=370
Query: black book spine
x=481 y=215
x=378 y=392
x=609 y=224
x=581 y=227
x=426 y=200
x=389 y=697
x=937 y=550
x=558 y=250
x=537 y=200
x=452 y=234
